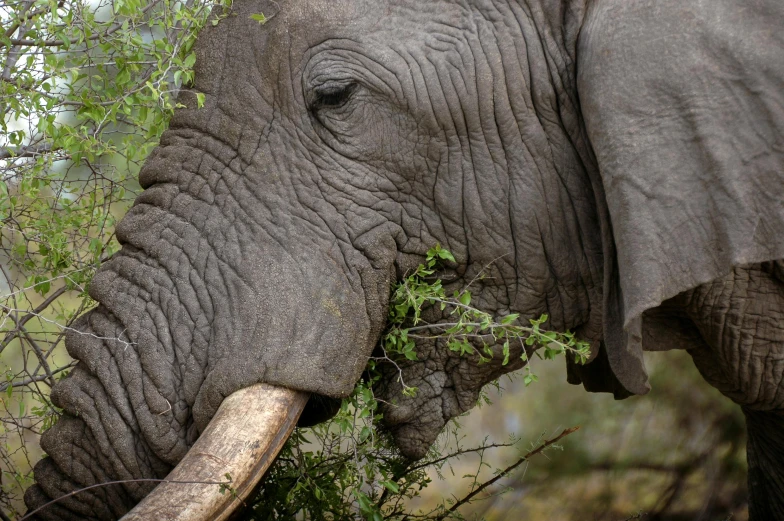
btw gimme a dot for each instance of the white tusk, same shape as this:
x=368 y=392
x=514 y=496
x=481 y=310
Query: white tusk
x=242 y=439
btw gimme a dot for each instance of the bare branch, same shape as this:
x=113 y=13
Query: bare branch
x=538 y=450
x=29 y=515
x=28 y=151
x=33 y=379
x=35 y=312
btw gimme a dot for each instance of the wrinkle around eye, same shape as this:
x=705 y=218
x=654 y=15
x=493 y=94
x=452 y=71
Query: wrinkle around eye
x=333 y=118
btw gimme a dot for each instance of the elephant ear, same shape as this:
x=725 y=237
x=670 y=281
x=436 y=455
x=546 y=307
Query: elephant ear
x=684 y=108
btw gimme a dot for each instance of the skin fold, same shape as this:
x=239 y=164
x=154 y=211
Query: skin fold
x=615 y=164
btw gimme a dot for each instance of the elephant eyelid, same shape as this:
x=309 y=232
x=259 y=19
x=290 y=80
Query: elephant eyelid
x=332 y=95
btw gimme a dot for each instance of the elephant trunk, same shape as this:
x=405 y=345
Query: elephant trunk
x=225 y=280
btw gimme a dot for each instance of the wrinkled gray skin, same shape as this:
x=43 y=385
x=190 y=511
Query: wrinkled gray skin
x=618 y=165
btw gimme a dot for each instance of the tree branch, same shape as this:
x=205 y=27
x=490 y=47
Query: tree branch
x=120 y=482
x=28 y=151
x=37 y=311
x=507 y=470
x=25 y=42
x=40 y=378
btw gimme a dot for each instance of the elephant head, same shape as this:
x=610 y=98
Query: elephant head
x=563 y=149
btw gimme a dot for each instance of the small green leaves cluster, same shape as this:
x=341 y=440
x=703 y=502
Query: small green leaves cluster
x=346 y=469
x=340 y=469
x=468 y=330
x=87 y=88
x=226 y=486
x=409 y=298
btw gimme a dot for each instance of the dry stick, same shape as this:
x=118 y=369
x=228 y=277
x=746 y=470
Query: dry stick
x=26 y=151
x=76 y=314
x=14 y=53
x=507 y=470
x=36 y=348
x=33 y=379
x=460 y=452
x=22 y=321
x=40 y=355
x=408 y=470
x=73 y=493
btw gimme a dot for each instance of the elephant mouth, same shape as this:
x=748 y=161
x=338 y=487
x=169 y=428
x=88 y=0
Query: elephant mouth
x=239 y=444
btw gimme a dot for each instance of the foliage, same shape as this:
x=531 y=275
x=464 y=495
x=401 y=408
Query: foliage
x=348 y=469
x=469 y=325
x=86 y=89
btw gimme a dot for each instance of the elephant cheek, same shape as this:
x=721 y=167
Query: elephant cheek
x=414 y=439
x=302 y=325
x=415 y=422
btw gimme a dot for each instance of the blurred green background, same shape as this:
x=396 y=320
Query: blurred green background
x=675 y=454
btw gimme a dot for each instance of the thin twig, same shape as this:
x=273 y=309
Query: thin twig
x=59 y=43
x=22 y=383
x=39 y=354
x=120 y=482
x=461 y=452
x=507 y=470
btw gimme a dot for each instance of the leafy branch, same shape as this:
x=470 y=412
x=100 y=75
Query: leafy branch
x=348 y=469
x=472 y=332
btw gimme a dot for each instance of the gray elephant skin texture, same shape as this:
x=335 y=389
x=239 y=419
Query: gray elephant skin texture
x=616 y=164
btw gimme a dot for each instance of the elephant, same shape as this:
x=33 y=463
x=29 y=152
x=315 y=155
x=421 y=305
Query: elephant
x=616 y=164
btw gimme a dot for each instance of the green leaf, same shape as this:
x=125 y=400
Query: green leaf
x=190 y=60
x=508 y=319
x=123 y=77
x=259 y=17
x=391 y=486
x=446 y=255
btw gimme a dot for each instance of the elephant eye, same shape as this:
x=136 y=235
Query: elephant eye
x=332 y=95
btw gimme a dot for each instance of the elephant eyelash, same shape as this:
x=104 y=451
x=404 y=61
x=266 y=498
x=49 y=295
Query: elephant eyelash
x=333 y=95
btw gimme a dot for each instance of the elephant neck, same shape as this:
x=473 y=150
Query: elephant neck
x=550 y=30
x=555 y=232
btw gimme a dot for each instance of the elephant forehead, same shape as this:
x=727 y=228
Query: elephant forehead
x=310 y=20
x=294 y=27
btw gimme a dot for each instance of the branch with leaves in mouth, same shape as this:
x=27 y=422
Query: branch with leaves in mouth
x=470 y=327
x=348 y=469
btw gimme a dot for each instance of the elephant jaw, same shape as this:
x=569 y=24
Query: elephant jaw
x=241 y=440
